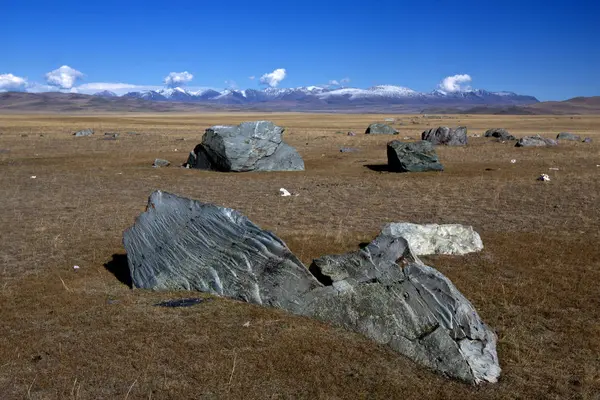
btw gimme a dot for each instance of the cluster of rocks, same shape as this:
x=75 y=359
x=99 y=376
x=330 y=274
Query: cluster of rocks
x=383 y=291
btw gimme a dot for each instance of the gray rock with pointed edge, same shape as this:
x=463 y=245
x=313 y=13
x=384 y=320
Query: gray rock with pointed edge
x=249 y=146
x=412 y=157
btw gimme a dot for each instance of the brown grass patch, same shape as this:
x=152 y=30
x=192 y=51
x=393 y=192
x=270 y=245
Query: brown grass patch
x=84 y=334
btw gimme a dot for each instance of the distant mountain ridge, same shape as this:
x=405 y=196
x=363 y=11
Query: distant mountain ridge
x=323 y=96
x=54 y=102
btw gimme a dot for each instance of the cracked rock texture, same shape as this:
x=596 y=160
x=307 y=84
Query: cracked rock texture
x=183 y=244
x=446 y=136
x=249 y=146
x=436 y=239
x=382 y=291
x=406 y=305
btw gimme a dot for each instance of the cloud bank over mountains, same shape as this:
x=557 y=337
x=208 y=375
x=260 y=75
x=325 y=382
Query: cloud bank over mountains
x=69 y=79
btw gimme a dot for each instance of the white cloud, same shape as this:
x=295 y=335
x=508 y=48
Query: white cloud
x=454 y=83
x=10 y=82
x=344 y=81
x=272 y=79
x=175 y=79
x=333 y=82
x=231 y=84
x=63 y=77
x=252 y=77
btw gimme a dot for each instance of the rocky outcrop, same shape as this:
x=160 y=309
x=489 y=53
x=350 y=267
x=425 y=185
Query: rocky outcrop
x=385 y=293
x=444 y=135
x=412 y=157
x=382 y=291
x=436 y=239
x=183 y=244
x=568 y=136
x=500 y=133
x=249 y=146
x=381 y=129
x=535 y=141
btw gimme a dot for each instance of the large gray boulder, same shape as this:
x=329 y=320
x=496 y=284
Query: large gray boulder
x=387 y=294
x=412 y=157
x=535 y=141
x=249 y=146
x=444 y=135
x=500 y=133
x=568 y=136
x=382 y=291
x=382 y=129
x=183 y=244
x=436 y=239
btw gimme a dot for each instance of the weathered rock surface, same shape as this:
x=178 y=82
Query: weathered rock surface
x=381 y=129
x=250 y=146
x=436 y=239
x=382 y=291
x=412 y=157
x=183 y=244
x=85 y=132
x=499 y=133
x=444 y=135
x=388 y=295
x=568 y=136
x=587 y=140
x=535 y=141
x=159 y=162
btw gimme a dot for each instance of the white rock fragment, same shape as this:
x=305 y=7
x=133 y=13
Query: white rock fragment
x=284 y=192
x=543 y=178
x=436 y=239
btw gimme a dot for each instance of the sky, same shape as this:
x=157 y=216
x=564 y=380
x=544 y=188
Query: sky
x=548 y=50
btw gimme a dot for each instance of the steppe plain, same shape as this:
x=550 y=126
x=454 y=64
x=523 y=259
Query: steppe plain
x=82 y=333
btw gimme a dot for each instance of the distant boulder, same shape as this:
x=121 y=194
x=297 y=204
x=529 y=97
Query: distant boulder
x=568 y=136
x=159 y=162
x=500 y=133
x=85 y=132
x=535 y=141
x=412 y=157
x=587 y=140
x=444 y=135
x=381 y=129
x=249 y=146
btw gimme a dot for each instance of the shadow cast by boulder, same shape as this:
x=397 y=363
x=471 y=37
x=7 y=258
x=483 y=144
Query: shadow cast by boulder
x=378 y=167
x=119 y=267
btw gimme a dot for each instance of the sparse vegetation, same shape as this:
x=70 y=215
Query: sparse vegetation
x=83 y=334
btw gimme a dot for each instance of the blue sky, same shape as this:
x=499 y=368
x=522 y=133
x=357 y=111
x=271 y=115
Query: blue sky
x=551 y=51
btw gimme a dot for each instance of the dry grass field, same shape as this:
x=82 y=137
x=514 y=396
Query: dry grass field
x=84 y=334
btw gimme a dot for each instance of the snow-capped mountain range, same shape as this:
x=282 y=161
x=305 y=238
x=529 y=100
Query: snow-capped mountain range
x=340 y=97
